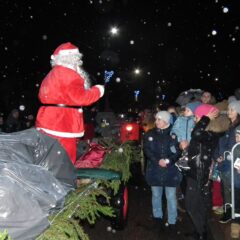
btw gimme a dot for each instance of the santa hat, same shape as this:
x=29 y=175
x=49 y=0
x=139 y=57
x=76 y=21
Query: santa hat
x=164 y=115
x=65 y=49
x=204 y=109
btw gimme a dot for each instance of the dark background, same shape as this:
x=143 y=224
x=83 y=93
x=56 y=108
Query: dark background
x=173 y=46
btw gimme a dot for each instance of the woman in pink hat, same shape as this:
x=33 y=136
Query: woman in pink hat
x=202 y=144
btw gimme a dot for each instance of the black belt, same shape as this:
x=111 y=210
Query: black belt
x=61 y=105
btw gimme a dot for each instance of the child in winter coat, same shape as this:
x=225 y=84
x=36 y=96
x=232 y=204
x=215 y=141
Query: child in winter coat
x=182 y=129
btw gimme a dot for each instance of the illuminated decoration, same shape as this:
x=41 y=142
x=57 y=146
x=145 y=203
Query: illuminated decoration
x=107 y=76
x=129 y=131
x=136 y=93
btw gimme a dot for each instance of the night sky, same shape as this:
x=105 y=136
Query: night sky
x=176 y=45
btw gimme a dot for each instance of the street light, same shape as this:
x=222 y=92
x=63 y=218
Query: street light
x=114 y=31
x=137 y=71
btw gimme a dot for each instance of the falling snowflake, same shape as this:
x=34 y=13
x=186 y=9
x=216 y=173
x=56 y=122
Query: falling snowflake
x=225 y=10
x=21 y=107
x=132 y=42
x=169 y=24
x=233 y=39
x=98 y=73
x=109 y=228
x=120 y=150
x=214 y=32
x=118 y=79
x=44 y=37
x=37 y=84
x=150 y=139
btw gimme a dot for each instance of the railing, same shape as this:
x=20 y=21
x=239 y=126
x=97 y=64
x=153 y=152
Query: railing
x=232 y=182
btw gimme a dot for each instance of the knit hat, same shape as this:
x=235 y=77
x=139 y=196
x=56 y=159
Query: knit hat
x=231 y=99
x=164 y=115
x=204 y=109
x=65 y=49
x=193 y=105
x=235 y=105
x=237 y=130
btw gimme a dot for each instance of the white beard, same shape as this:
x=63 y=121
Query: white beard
x=85 y=76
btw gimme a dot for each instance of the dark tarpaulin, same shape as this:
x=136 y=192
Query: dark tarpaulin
x=35 y=176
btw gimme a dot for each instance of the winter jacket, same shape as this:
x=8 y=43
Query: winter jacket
x=183 y=127
x=64 y=87
x=226 y=142
x=200 y=151
x=158 y=144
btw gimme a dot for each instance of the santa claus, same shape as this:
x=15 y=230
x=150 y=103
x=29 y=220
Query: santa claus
x=63 y=93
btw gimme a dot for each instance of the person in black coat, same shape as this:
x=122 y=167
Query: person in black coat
x=161 y=153
x=200 y=151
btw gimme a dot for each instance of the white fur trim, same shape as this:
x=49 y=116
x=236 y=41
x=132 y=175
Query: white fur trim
x=66 y=52
x=62 y=134
x=101 y=89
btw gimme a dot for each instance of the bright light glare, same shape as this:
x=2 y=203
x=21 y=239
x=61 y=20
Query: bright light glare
x=114 y=30
x=129 y=128
x=137 y=71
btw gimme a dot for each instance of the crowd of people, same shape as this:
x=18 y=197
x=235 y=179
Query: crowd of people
x=190 y=150
x=14 y=122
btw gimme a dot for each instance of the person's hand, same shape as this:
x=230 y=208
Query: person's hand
x=101 y=89
x=162 y=163
x=183 y=144
x=213 y=113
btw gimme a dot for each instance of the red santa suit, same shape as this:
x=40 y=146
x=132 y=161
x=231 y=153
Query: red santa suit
x=62 y=94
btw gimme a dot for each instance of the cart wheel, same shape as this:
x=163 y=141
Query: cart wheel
x=120 y=205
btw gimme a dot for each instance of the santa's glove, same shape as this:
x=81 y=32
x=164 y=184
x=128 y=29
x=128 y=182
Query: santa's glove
x=101 y=89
